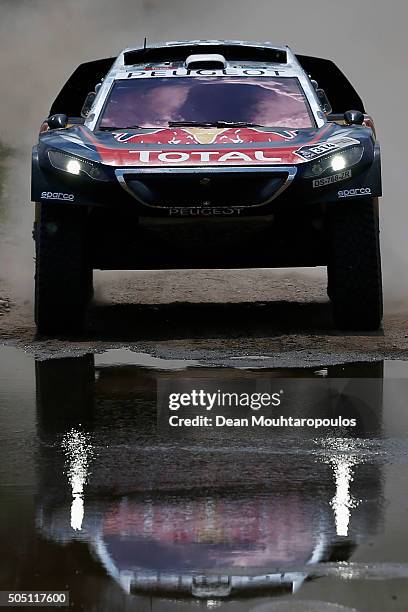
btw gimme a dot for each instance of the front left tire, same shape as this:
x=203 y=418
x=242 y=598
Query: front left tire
x=63 y=277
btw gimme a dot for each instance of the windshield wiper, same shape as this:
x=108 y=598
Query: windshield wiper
x=219 y=124
x=209 y=124
x=111 y=128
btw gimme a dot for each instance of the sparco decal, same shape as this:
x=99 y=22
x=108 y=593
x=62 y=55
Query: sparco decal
x=334 y=178
x=352 y=193
x=56 y=195
x=193 y=211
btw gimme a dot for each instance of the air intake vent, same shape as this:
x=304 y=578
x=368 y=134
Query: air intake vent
x=206 y=60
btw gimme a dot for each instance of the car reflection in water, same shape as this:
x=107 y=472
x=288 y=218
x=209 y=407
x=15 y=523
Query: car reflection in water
x=202 y=513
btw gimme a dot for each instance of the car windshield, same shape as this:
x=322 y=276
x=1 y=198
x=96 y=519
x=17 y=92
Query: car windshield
x=158 y=102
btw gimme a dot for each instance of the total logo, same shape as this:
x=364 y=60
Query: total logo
x=179 y=157
x=352 y=193
x=56 y=195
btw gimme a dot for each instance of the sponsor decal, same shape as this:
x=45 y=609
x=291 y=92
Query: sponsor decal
x=57 y=195
x=195 y=211
x=181 y=157
x=205 y=136
x=183 y=72
x=309 y=152
x=352 y=193
x=312 y=152
x=334 y=178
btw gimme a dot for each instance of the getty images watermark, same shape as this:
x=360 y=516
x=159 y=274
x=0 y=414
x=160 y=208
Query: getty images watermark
x=186 y=410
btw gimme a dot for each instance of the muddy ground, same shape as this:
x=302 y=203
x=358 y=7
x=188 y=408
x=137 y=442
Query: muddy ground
x=280 y=317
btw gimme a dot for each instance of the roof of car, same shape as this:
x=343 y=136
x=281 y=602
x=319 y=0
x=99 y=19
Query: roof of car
x=203 y=42
x=233 y=50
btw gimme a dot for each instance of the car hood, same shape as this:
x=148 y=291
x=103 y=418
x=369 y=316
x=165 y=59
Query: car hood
x=197 y=146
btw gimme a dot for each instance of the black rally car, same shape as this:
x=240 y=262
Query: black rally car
x=206 y=154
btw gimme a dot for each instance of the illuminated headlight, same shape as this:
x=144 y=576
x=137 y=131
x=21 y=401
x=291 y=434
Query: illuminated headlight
x=336 y=162
x=73 y=166
x=76 y=166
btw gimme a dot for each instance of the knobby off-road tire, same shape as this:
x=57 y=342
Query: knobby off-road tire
x=63 y=278
x=354 y=268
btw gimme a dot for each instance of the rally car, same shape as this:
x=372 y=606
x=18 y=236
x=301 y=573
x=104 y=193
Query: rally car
x=206 y=154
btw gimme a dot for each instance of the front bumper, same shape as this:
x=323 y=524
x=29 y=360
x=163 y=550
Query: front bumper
x=221 y=191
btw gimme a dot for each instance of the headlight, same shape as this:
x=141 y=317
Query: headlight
x=75 y=165
x=334 y=162
x=338 y=162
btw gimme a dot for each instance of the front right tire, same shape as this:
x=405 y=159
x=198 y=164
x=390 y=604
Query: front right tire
x=354 y=268
x=63 y=277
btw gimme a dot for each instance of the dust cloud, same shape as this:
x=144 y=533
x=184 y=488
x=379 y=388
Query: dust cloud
x=42 y=42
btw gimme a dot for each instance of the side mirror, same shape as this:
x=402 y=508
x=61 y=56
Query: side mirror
x=87 y=105
x=324 y=101
x=57 y=122
x=353 y=117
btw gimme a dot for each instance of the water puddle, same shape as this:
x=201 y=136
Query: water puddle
x=101 y=497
